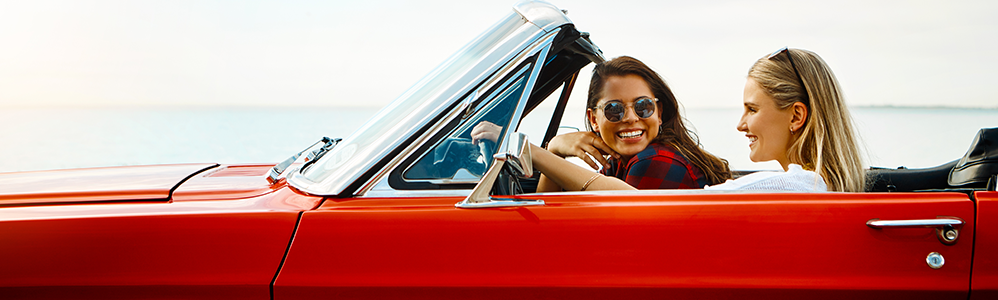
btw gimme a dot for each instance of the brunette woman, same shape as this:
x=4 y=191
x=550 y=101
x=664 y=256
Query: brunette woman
x=635 y=132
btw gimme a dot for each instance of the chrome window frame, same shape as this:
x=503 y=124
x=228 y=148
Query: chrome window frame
x=484 y=102
x=378 y=186
x=540 y=21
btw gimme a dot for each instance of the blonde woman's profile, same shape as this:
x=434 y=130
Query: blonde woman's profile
x=794 y=113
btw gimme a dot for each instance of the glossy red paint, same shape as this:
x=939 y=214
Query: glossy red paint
x=985 y=277
x=136 y=183
x=616 y=245
x=238 y=253
x=206 y=249
x=227 y=182
x=225 y=231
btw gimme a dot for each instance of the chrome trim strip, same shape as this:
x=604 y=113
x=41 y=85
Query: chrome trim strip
x=379 y=191
x=528 y=91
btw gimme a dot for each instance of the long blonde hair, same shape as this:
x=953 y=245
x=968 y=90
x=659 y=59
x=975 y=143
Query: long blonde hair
x=826 y=144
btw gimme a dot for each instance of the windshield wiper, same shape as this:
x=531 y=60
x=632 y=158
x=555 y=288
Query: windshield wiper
x=327 y=144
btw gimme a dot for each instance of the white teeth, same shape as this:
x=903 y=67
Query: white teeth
x=631 y=134
x=753 y=139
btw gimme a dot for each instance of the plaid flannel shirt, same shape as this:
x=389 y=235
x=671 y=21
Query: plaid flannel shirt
x=657 y=167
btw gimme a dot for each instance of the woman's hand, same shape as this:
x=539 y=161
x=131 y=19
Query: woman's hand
x=485 y=131
x=582 y=144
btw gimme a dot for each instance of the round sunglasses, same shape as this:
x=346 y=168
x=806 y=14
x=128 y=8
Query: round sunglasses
x=614 y=110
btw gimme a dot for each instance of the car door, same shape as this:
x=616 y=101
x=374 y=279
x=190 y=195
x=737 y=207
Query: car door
x=405 y=238
x=681 y=245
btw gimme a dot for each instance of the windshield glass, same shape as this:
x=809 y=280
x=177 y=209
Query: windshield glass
x=386 y=129
x=460 y=154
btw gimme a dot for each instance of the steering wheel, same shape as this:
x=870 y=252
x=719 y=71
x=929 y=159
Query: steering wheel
x=459 y=153
x=487 y=149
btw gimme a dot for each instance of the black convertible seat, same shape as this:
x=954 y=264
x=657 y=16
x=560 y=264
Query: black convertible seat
x=976 y=170
x=908 y=180
x=980 y=164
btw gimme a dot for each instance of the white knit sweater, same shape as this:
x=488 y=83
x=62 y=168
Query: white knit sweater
x=794 y=179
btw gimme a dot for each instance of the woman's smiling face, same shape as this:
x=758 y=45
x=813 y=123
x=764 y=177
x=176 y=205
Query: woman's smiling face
x=765 y=125
x=631 y=134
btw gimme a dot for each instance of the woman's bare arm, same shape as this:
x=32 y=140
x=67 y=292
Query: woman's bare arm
x=547 y=185
x=572 y=177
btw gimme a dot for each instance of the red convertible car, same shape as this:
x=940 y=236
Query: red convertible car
x=408 y=207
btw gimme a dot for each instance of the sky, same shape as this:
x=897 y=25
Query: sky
x=70 y=53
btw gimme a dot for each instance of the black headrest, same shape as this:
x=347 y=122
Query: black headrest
x=981 y=161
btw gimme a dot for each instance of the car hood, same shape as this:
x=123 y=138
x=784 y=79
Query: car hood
x=89 y=185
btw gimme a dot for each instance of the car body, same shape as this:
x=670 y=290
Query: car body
x=408 y=207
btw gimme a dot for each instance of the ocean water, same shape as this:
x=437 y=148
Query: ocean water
x=58 y=138
x=47 y=138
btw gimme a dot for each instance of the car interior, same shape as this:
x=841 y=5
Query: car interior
x=976 y=171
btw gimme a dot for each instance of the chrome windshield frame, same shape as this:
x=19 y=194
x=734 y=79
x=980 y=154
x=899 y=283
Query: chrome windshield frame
x=486 y=98
x=338 y=172
x=378 y=186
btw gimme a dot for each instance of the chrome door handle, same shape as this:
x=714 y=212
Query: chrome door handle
x=947 y=228
x=493 y=203
x=879 y=224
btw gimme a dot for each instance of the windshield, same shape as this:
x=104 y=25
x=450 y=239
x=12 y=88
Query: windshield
x=387 y=129
x=459 y=154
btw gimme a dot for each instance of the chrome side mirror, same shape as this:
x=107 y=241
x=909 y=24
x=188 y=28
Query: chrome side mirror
x=517 y=156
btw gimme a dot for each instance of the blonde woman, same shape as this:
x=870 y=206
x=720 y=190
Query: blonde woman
x=795 y=114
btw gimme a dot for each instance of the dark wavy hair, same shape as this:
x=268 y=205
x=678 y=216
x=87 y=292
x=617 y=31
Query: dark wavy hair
x=673 y=130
